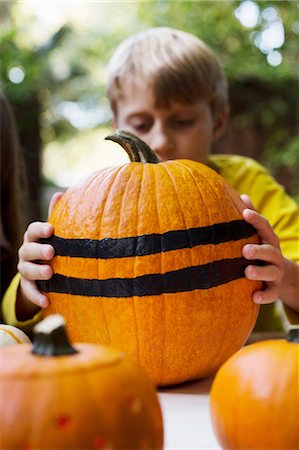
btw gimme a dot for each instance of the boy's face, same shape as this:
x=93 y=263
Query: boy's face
x=179 y=131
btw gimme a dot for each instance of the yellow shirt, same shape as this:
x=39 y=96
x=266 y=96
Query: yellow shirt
x=268 y=197
x=9 y=310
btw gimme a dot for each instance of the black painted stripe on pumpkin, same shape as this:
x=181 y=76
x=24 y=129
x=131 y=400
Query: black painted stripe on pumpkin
x=151 y=243
x=204 y=276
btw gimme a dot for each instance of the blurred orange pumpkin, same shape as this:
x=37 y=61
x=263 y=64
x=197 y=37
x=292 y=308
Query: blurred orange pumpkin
x=255 y=397
x=55 y=396
x=149 y=260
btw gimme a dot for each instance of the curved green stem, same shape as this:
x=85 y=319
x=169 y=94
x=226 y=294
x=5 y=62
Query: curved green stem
x=50 y=338
x=137 y=149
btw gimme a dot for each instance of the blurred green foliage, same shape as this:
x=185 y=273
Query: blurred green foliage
x=215 y=22
x=67 y=73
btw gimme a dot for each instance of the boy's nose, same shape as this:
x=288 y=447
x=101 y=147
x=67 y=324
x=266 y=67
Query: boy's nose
x=162 y=145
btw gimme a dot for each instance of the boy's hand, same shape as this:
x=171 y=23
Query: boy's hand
x=32 y=262
x=33 y=258
x=268 y=251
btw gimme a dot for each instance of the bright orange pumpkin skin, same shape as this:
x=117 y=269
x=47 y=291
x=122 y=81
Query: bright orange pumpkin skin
x=94 y=399
x=175 y=336
x=255 y=398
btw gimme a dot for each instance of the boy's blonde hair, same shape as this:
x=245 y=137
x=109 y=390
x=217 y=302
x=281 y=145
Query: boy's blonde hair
x=177 y=65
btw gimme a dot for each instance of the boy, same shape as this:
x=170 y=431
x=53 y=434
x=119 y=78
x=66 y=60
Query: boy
x=168 y=88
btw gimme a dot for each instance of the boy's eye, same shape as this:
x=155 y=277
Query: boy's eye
x=183 y=122
x=140 y=126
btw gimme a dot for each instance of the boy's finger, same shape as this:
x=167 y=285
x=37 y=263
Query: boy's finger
x=262 y=252
x=31 y=271
x=38 y=230
x=247 y=201
x=269 y=273
x=269 y=295
x=31 y=292
x=54 y=199
x=262 y=226
x=34 y=251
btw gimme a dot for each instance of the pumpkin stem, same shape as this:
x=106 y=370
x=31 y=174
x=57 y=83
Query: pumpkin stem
x=293 y=334
x=137 y=149
x=50 y=337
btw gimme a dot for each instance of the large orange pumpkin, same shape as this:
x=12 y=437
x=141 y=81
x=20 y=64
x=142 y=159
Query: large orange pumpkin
x=255 y=397
x=56 y=396
x=149 y=259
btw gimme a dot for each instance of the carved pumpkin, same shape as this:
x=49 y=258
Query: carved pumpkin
x=55 y=396
x=12 y=335
x=149 y=259
x=255 y=397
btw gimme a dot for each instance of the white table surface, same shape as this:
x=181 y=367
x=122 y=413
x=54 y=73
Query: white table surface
x=187 y=423
x=186 y=414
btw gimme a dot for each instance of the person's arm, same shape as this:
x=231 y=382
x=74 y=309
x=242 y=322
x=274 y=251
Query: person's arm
x=289 y=292
x=279 y=274
x=24 y=300
x=9 y=308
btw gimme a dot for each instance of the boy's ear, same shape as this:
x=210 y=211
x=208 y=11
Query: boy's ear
x=220 y=124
